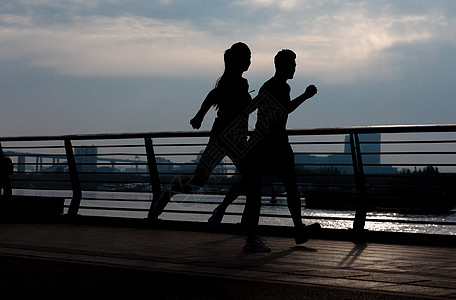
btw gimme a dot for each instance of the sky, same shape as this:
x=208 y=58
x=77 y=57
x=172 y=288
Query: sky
x=110 y=66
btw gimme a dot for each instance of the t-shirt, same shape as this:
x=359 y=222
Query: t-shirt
x=276 y=121
x=231 y=98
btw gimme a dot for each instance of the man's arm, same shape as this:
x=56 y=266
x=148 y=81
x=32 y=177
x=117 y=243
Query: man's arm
x=311 y=90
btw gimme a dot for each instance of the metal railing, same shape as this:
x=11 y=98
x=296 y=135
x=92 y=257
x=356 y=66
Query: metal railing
x=344 y=174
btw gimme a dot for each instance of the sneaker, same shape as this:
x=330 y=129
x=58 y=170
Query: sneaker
x=256 y=245
x=216 y=218
x=313 y=229
x=303 y=233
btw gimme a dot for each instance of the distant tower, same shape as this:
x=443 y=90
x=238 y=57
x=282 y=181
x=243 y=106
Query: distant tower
x=21 y=164
x=86 y=158
x=373 y=146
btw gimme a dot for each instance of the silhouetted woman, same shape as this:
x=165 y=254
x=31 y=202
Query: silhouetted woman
x=230 y=97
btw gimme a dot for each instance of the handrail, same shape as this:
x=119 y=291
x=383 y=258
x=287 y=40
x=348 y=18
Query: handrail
x=205 y=133
x=78 y=177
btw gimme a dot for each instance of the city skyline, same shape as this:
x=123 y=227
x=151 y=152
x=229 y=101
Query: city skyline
x=87 y=160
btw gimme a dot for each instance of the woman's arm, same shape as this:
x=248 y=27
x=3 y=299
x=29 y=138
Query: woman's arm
x=209 y=101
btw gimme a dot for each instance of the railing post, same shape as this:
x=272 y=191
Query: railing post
x=153 y=171
x=74 y=177
x=361 y=211
x=5 y=183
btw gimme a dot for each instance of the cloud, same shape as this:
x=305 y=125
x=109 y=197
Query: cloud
x=344 y=44
x=342 y=41
x=104 y=46
x=284 y=4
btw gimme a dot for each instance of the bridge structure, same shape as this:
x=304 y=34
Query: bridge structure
x=41 y=165
x=429 y=149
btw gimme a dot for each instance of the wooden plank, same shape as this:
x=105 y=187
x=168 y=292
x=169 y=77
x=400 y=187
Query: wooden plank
x=414 y=271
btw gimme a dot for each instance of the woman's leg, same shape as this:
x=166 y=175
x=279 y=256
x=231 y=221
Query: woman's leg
x=210 y=158
x=235 y=191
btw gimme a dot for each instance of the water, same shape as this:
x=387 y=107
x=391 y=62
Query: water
x=197 y=208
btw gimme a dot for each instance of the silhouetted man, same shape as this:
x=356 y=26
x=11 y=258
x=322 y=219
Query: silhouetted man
x=272 y=152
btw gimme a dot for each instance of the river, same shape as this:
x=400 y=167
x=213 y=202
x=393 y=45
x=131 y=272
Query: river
x=183 y=207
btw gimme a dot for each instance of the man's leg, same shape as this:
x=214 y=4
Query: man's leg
x=302 y=232
x=251 y=179
x=251 y=216
x=293 y=199
x=288 y=176
x=252 y=208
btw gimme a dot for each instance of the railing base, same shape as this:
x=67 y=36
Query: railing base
x=30 y=208
x=364 y=236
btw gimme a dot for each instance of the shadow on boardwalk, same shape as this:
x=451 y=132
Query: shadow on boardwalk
x=113 y=262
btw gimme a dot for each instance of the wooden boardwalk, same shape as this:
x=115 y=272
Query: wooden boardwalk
x=115 y=262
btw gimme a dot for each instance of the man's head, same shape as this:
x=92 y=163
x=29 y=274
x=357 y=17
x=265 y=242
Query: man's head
x=285 y=63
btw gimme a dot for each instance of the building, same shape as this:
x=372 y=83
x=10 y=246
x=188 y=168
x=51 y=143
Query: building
x=86 y=158
x=370 y=149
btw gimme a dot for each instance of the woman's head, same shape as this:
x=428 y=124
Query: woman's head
x=237 y=58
